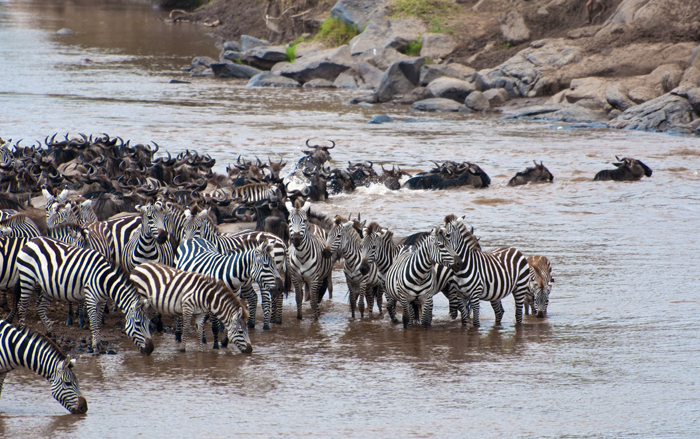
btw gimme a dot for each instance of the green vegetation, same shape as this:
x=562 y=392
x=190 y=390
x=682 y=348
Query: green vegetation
x=413 y=48
x=291 y=49
x=503 y=45
x=435 y=12
x=335 y=33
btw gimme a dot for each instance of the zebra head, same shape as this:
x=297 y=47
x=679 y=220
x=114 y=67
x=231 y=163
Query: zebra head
x=153 y=218
x=65 y=388
x=61 y=213
x=137 y=326
x=71 y=234
x=333 y=242
x=264 y=269
x=50 y=199
x=197 y=226
x=461 y=238
x=542 y=298
x=441 y=251
x=238 y=331
x=298 y=221
x=370 y=243
x=87 y=214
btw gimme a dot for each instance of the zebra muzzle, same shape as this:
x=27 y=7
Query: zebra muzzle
x=364 y=268
x=326 y=252
x=81 y=408
x=540 y=314
x=296 y=239
x=458 y=264
x=148 y=349
x=162 y=237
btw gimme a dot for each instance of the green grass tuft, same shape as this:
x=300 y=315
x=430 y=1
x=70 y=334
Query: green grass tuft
x=290 y=50
x=335 y=33
x=413 y=48
x=435 y=12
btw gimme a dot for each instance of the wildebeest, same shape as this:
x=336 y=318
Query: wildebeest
x=392 y=177
x=538 y=173
x=628 y=169
x=315 y=157
x=448 y=175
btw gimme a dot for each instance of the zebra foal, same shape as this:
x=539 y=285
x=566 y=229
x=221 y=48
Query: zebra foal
x=36 y=352
x=539 y=286
x=173 y=292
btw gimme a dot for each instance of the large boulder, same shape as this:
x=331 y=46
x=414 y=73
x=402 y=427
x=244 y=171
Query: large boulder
x=439 y=104
x=348 y=79
x=359 y=13
x=652 y=15
x=590 y=90
x=513 y=28
x=691 y=77
x=264 y=57
x=642 y=94
x=248 y=42
x=436 y=46
x=694 y=59
x=381 y=58
x=371 y=75
x=477 y=101
x=617 y=96
x=670 y=74
x=308 y=48
x=268 y=79
x=200 y=64
x=415 y=95
x=327 y=64
x=229 y=69
x=394 y=33
x=450 y=88
x=430 y=72
x=400 y=78
x=496 y=96
x=667 y=112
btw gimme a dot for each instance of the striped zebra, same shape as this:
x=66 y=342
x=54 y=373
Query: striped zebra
x=151 y=243
x=36 y=352
x=61 y=198
x=344 y=241
x=379 y=249
x=174 y=292
x=200 y=225
x=176 y=220
x=488 y=276
x=58 y=271
x=411 y=278
x=539 y=286
x=21 y=226
x=237 y=269
x=307 y=263
x=121 y=230
x=254 y=192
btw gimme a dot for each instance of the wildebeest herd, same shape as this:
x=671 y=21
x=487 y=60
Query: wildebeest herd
x=116 y=226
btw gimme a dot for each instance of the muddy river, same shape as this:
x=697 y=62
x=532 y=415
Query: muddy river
x=618 y=355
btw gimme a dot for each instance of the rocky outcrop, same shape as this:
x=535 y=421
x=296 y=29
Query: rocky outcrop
x=229 y=69
x=248 y=42
x=477 y=101
x=513 y=28
x=264 y=57
x=450 y=88
x=670 y=112
x=371 y=75
x=394 y=33
x=617 y=95
x=381 y=58
x=436 y=46
x=430 y=72
x=439 y=104
x=496 y=96
x=359 y=13
x=268 y=79
x=348 y=79
x=652 y=15
x=399 y=79
x=327 y=64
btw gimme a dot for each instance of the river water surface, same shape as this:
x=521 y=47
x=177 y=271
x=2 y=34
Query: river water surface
x=617 y=356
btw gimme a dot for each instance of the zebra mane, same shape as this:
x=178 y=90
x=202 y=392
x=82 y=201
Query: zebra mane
x=221 y=285
x=35 y=336
x=449 y=218
x=16 y=218
x=297 y=204
x=373 y=227
x=339 y=219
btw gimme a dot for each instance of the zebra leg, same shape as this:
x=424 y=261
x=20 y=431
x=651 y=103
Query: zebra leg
x=277 y=309
x=352 y=297
x=252 y=298
x=215 y=328
x=314 y=288
x=498 y=310
x=391 y=308
x=178 y=330
x=379 y=291
x=475 y=301
x=2 y=381
x=407 y=313
x=69 y=322
x=186 y=318
x=266 y=302
x=519 y=297
x=369 y=296
x=41 y=306
x=427 y=313
x=95 y=311
x=361 y=291
x=199 y=324
x=299 y=293
x=82 y=314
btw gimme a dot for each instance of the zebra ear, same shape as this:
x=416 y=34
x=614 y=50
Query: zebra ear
x=144 y=303
x=64 y=194
x=204 y=213
x=307 y=206
x=71 y=363
x=288 y=204
x=86 y=203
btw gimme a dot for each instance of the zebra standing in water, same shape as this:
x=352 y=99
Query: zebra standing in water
x=540 y=285
x=411 y=278
x=343 y=240
x=36 y=352
x=307 y=263
x=236 y=269
x=150 y=244
x=173 y=292
x=378 y=249
x=488 y=276
x=56 y=270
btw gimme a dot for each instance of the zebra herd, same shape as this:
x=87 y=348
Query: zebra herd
x=167 y=260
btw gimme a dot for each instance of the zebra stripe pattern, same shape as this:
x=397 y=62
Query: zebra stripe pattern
x=488 y=276
x=253 y=192
x=122 y=230
x=9 y=275
x=174 y=292
x=151 y=243
x=539 y=286
x=57 y=271
x=21 y=226
x=410 y=279
x=36 y=352
x=307 y=264
x=237 y=269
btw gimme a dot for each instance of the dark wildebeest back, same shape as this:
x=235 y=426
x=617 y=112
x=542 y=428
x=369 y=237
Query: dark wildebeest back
x=533 y=174
x=628 y=169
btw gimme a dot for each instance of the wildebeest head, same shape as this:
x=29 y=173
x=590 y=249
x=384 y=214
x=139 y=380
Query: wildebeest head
x=391 y=177
x=538 y=173
x=627 y=169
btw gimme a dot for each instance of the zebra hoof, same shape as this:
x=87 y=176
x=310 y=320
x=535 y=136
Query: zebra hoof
x=216 y=345
x=69 y=322
x=90 y=350
x=266 y=327
x=251 y=324
x=204 y=340
x=394 y=320
x=182 y=349
x=298 y=316
x=178 y=338
x=224 y=342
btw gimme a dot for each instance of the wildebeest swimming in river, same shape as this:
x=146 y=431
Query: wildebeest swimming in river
x=627 y=170
x=536 y=174
x=448 y=175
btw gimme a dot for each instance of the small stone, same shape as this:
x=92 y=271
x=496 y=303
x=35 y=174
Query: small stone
x=65 y=31
x=381 y=118
x=112 y=352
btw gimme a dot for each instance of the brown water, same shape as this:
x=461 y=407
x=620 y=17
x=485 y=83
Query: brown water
x=618 y=355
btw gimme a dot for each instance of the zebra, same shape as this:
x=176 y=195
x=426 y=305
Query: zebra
x=174 y=292
x=539 y=286
x=254 y=192
x=307 y=263
x=151 y=241
x=121 y=230
x=378 y=248
x=38 y=353
x=56 y=270
x=237 y=269
x=488 y=276
x=200 y=225
x=61 y=198
x=411 y=278
x=343 y=240
x=21 y=226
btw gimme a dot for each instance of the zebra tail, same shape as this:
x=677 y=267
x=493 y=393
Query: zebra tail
x=288 y=284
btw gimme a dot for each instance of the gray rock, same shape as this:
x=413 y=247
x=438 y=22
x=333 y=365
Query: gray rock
x=359 y=13
x=415 y=95
x=513 y=28
x=439 y=104
x=178 y=81
x=655 y=79
x=319 y=83
x=616 y=95
x=639 y=95
x=231 y=55
x=308 y=48
x=365 y=100
x=477 y=101
x=232 y=45
x=430 y=72
x=694 y=60
x=229 y=69
x=436 y=46
x=203 y=61
x=248 y=42
x=371 y=75
x=394 y=33
x=535 y=110
x=267 y=79
x=200 y=65
x=381 y=118
x=277 y=68
x=671 y=80
x=496 y=96
x=450 y=88
x=667 y=112
x=692 y=94
x=327 y=64
x=348 y=79
x=575 y=113
x=691 y=77
x=65 y=31
x=583 y=32
x=264 y=57
x=381 y=58
x=400 y=78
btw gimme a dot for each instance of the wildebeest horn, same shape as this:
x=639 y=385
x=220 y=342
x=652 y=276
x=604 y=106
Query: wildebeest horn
x=307 y=144
x=370 y=164
x=330 y=147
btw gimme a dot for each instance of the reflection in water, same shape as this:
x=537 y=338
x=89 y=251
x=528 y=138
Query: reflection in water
x=615 y=357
